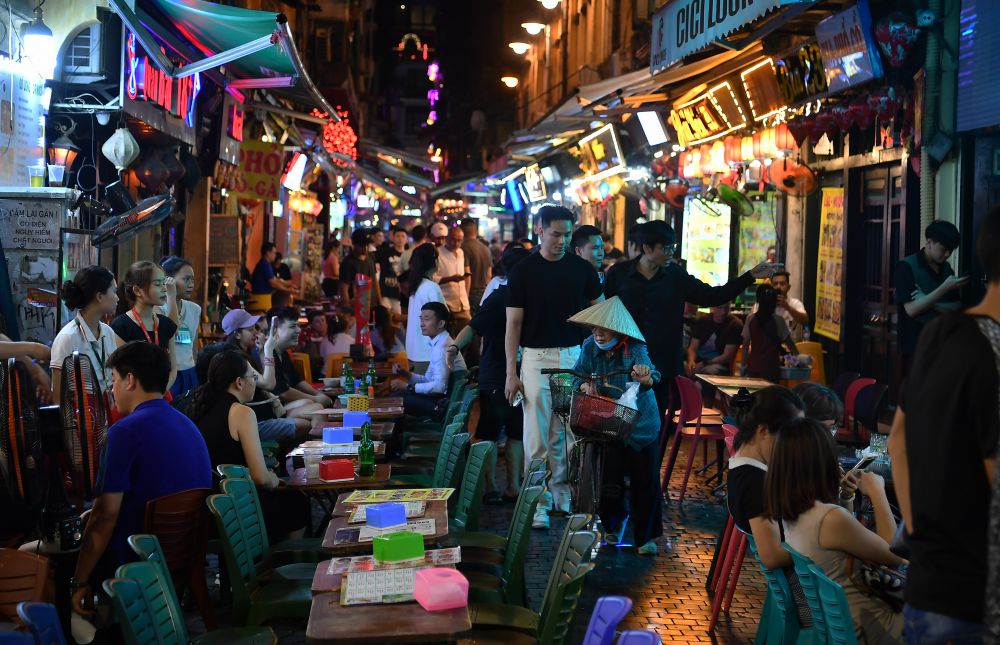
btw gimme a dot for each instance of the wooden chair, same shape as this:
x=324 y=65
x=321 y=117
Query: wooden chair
x=334 y=365
x=815 y=350
x=303 y=366
x=22 y=579
x=180 y=523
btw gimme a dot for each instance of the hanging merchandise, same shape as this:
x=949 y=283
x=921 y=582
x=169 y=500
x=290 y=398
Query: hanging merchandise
x=175 y=169
x=792 y=177
x=816 y=129
x=842 y=115
x=151 y=172
x=827 y=123
x=896 y=35
x=799 y=129
x=121 y=149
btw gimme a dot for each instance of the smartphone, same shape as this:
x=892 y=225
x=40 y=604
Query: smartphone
x=274 y=322
x=518 y=399
x=863 y=463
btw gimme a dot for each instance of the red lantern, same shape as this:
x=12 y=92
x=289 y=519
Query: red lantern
x=826 y=122
x=896 y=35
x=757 y=151
x=706 y=161
x=861 y=113
x=799 y=130
x=733 y=150
x=783 y=138
x=842 y=115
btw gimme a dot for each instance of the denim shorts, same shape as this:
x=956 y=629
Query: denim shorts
x=929 y=628
x=276 y=429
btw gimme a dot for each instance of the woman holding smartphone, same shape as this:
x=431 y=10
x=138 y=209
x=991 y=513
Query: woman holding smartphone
x=187 y=315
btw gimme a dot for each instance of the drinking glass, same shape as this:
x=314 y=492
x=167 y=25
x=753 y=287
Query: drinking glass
x=36 y=176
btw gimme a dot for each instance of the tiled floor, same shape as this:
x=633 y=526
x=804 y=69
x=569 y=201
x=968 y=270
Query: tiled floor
x=668 y=590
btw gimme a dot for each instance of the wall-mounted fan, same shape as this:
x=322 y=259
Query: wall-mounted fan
x=792 y=177
x=735 y=200
x=130 y=218
x=676 y=190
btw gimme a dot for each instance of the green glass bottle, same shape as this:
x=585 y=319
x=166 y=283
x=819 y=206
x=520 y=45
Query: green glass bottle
x=366 y=452
x=370 y=378
x=346 y=378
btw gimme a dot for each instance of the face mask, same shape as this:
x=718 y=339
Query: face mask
x=608 y=345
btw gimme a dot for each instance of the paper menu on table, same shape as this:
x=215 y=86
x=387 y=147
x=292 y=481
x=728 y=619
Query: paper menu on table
x=383 y=586
x=432 y=558
x=360 y=513
x=399 y=495
x=356 y=534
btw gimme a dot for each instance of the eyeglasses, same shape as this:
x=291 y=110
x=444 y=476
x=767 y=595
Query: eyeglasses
x=252 y=376
x=670 y=249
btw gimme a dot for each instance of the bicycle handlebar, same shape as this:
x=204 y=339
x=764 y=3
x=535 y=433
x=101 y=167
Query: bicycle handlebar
x=584 y=375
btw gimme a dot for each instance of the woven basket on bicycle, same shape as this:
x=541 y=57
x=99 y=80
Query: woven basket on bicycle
x=601 y=418
x=561 y=387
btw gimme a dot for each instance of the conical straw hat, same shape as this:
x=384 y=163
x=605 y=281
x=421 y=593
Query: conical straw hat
x=611 y=315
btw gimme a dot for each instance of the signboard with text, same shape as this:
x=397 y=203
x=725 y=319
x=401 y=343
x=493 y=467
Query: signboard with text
x=22 y=130
x=600 y=152
x=830 y=264
x=849 y=53
x=800 y=74
x=261 y=165
x=711 y=115
x=682 y=27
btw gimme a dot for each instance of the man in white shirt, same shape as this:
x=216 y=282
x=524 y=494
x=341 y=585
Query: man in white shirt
x=791 y=309
x=424 y=391
x=455 y=280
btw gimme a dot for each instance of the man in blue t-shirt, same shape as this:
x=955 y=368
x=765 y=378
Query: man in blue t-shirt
x=152 y=452
x=263 y=279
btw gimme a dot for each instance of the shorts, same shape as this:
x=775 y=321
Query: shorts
x=496 y=413
x=186 y=381
x=276 y=429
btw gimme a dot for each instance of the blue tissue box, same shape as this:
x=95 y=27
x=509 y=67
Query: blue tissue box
x=356 y=419
x=389 y=514
x=338 y=435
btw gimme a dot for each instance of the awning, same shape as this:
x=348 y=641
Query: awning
x=372 y=178
x=414 y=160
x=256 y=48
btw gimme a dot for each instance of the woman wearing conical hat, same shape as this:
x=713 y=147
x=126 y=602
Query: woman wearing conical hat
x=617 y=344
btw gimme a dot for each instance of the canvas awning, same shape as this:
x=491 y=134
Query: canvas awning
x=373 y=178
x=256 y=48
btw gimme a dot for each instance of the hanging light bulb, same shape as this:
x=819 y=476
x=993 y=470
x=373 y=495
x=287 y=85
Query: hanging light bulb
x=509 y=81
x=533 y=28
x=520 y=48
x=550 y=4
x=39 y=47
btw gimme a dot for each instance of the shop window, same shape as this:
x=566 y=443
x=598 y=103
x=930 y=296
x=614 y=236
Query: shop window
x=82 y=57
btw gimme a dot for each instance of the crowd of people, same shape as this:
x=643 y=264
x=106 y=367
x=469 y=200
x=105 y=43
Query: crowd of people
x=449 y=299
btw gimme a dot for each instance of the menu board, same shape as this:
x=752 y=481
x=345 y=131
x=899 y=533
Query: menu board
x=710 y=115
x=534 y=184
x=830 y=269
x=757 y=235
x=399 y=495
x=223 y=240
x=705 y=244
x=848 y=50
x=378 y=587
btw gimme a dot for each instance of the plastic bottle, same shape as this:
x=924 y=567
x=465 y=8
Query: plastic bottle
x=366 y=452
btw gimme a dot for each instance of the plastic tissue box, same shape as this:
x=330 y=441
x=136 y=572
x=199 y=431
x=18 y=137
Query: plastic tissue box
x=397 y=547
x=356 y=419
x=357 y=403
x=338 y=435
x=389 y=514
x=336 y=469
x=440 y=588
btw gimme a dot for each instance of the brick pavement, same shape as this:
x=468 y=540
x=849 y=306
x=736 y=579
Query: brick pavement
x=667 y=590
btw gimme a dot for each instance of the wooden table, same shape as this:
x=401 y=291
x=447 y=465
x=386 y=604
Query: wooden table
x=325 y=493
x=437 y=511
x=736 y=382
x=405 y=622
x=381 y=431
x=377 y=413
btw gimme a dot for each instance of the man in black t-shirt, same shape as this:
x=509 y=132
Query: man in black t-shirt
x=388 y=258
x=714 y=339
x=943 y=447
x=544 y=291
x=299 y=397
x=359 y=260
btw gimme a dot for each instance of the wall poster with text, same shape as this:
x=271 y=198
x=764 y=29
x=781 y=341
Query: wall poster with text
x=830 y=264
x=758 y=234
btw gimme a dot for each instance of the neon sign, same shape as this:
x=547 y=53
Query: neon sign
x=147 y=82
x=235 y=126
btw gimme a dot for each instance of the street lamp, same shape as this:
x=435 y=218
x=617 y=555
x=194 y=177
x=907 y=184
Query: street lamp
x=509 y=81
x=533 y=28
x=520 y=48
x=550 y=4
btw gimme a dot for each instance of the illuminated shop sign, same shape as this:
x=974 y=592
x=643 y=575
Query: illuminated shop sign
x=849 y=55
x=800 y=75
x=713 y=114
x=147 y=82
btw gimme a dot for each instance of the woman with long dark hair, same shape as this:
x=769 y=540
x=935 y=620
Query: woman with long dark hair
x=92 y=294
x=801 y=493
x=229 y=427
x=763 y=335
x=422 y=289
x=144 y=290
x=387 y=338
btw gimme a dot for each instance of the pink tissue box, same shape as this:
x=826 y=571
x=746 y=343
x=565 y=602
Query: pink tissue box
x=440 y=588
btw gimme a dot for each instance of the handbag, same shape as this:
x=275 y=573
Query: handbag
x=877 y=581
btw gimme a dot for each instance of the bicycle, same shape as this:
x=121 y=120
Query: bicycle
x=593 y=420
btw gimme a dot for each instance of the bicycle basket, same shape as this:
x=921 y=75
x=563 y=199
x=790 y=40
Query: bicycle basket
x=561 y=386
x=600 y=418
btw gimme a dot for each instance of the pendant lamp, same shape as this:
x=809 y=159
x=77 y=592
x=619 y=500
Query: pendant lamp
x=121 y=149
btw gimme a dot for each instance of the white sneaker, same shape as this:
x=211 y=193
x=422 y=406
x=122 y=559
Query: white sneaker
x=541 y=519
x=649 y=548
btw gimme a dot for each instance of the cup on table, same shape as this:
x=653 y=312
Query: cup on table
x=312 y=465
x=56 y=174
x=36 y=176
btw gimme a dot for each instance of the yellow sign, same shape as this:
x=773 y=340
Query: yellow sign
x=261 y=165
x=830 y=268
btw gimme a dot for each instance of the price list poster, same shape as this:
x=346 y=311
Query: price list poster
x=830 y=264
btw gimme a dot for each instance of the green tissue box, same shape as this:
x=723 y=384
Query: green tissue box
x=399 y=546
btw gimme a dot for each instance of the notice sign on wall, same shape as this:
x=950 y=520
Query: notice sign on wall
x=29 y=224
x=830 y=269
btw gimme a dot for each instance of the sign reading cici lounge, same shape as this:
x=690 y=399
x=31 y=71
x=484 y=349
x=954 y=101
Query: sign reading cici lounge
x=682 y=27
x=261 y=165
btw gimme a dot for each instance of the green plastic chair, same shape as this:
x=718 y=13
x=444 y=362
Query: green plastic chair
x=568 y=552
x=551 y=624
x=460 y=399
x=302 y=550
x=147 y=609
x=484 y=540
x=509 y=586
x=254 y=602
x=779 y=622
x=418 y=474
x=807 y=581
x=836 y=610
x=420 y=442
x=470 y=495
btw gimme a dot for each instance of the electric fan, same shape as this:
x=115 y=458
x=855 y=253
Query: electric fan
x=20 y=439
x=84 y=422
x=130 y=218
x=792 y=177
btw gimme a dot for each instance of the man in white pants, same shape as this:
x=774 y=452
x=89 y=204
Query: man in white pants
x=544 y=290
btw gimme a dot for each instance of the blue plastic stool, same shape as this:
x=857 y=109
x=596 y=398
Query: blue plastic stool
x=608 y=612
x=638 y=637
x=43 y=621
